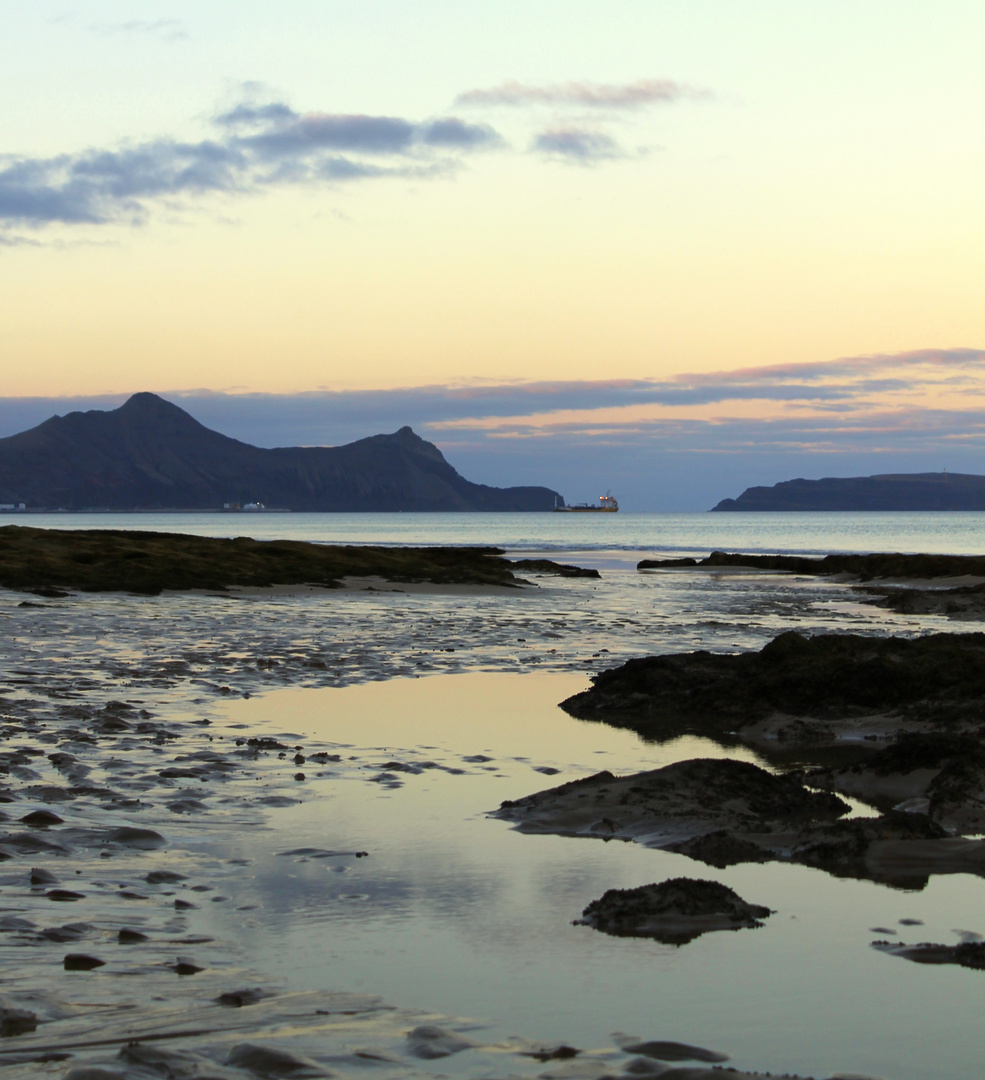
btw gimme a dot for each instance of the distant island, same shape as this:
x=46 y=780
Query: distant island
x=891 y=491
x=151 y=455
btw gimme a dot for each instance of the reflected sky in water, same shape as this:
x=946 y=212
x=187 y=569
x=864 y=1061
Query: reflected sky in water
x=454 y=911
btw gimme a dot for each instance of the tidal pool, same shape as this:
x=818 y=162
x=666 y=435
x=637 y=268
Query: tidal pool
x=453 y=911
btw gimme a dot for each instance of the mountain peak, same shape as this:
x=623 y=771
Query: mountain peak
x=150 y=404
x=151 y=454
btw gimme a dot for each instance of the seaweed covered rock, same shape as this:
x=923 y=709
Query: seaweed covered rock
x=679 y=802
x=674 y=911
x=936 y=681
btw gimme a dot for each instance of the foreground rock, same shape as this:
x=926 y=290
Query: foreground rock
x=724 y=812
x=823 y=689
x=95 y=560
x=674 y=911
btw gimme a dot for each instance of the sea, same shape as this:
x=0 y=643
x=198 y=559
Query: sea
x=623 y=537
x=456 y=912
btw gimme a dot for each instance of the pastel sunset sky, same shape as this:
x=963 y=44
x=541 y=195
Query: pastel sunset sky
x=671 y=247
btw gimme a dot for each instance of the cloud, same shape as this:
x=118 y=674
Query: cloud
x=256 y=145
x=583 y=94
x=576 y=145
x=682 y=442
x=458 y=133
x=852 y=365
x=248 y=113
x=166 y=29
x=791 y=397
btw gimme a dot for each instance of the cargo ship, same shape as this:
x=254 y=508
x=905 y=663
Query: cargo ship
x=606 y=505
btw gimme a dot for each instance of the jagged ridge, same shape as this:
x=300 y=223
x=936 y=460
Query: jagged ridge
x=150 y=454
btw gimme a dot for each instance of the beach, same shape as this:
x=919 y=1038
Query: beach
x=271 y=806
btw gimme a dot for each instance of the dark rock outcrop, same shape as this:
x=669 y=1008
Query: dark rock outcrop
x=149 y=454
x=829 y=678
x=674 y=911
x=148 y=562
x=969 y=954
x=863 y=567
x=892 y=491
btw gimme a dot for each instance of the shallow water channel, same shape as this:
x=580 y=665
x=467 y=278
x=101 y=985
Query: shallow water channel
x=456 y=912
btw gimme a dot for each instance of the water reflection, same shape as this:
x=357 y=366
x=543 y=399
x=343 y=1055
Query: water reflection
x=454 y=911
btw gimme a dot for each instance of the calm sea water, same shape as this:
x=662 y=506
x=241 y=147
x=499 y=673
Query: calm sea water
x=657 y=534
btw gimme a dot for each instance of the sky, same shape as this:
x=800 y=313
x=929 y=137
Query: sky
x=673 y=248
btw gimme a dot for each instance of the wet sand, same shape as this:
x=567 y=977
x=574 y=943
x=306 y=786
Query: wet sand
x=118 y=790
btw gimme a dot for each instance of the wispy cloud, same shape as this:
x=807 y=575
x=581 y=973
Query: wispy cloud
x=577 y=145
x=583 y=94
x=165 y=29
x=845 y=395
x=255 y=146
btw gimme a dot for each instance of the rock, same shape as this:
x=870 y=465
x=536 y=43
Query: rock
x=675 y=912
x=68 y=932
x=13 y=923
x=126 y=936
x=546 y=566
x=265 y=744
x=665 y=1050
x=133 y=837
x=82 y=962
x=941 y=773
x=42 y=818
x=269 y=1061
x=969 y=954
x=16 y=1021
x=64 y=895
x=720 y=849
x=184 y=965
x=238 y=999
x=678 y=802
x=163 y=877
x=430 y=1041
x=936 y=680
x=41 y=876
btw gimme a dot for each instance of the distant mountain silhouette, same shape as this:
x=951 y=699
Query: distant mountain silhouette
x=149 y=454
x=892 y=491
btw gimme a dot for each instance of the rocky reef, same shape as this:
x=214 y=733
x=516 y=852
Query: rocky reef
x=98 y=560
x=722 y=812
x=813 y=690
x=904 y=717
x=863 y=567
